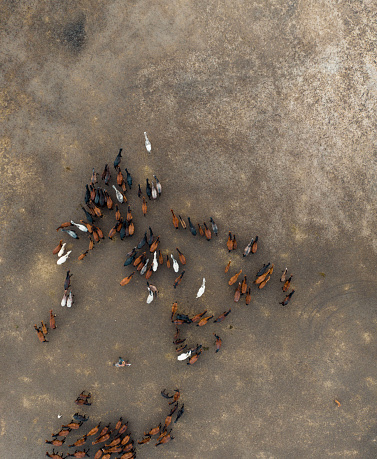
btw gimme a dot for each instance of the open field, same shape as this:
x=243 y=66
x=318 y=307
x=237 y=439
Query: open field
x=261 y=114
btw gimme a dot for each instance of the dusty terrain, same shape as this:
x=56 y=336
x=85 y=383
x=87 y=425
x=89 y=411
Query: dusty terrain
x=261 y=115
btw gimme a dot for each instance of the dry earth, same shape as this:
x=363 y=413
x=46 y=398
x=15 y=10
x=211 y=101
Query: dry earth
x=261 y=114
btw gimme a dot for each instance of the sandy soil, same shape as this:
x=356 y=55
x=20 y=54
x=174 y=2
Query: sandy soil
x=261 y=115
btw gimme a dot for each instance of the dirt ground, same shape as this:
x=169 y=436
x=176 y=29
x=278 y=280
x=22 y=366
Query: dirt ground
x=261 y=114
